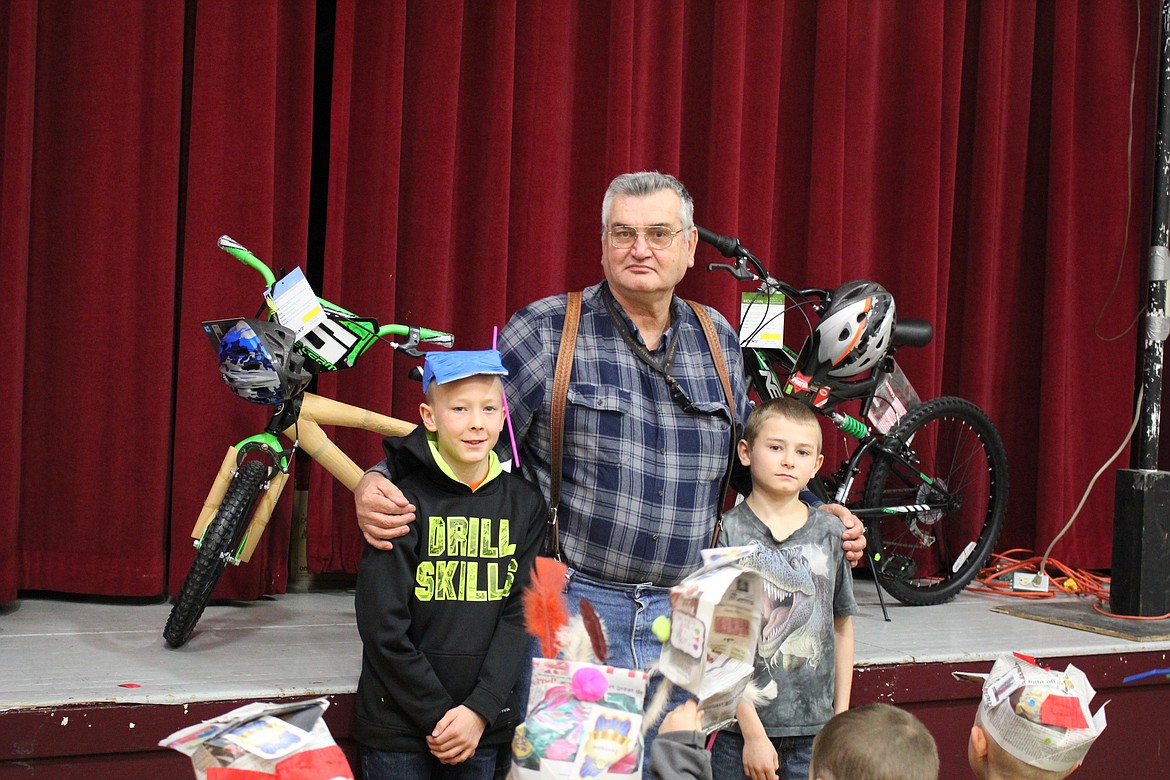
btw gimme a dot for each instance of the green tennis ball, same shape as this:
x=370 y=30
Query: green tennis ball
x=661 y=628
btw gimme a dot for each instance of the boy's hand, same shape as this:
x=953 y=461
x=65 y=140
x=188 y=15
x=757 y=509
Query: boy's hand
x=853 y=540
x=456 y=735
x=685 y=717
x=760 y=760
x=382 y=511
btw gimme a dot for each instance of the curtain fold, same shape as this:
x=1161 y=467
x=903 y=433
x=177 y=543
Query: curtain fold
x=248 y=176
x=17 y=82
x=95 y=417
x=986 y=161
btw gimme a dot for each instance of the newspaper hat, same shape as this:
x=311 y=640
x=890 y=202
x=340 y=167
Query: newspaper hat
x=443 y=367
x=1038 y=715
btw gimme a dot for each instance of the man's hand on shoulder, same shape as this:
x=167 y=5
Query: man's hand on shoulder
x=853 y=540
x=382 y=511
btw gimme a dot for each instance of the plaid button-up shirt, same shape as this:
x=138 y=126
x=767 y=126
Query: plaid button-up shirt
x=641 y=475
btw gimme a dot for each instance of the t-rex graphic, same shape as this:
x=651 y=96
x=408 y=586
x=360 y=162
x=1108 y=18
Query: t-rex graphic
x=788 y=635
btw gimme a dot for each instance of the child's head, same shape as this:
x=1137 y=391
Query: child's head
x=1032 y=723
x=781 y=445
x=874 y=742
x=464 y=407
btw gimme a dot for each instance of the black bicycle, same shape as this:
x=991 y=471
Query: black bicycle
x=934 y=473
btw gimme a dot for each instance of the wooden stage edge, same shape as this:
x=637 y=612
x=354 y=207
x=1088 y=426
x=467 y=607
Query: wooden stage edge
x=67 y=710
x=118 y=741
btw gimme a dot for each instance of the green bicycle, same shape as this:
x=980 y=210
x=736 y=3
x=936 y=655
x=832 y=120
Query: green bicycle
x=270 y=361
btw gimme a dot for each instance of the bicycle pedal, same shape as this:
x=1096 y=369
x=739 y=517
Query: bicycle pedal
x=898 y=567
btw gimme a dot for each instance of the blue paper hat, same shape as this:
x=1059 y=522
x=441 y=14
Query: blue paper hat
x=443 y=367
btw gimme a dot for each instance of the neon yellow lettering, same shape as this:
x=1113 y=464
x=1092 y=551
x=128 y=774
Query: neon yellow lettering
x=445 y=575
x=512 y=567
x=424 y=579
x=471 y=577
x=473 y=538
x=457 y=536
x=506 y=549
x=435 y=537
x=486 y=550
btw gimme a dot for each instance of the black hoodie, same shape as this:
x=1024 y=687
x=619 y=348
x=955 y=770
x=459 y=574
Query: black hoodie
x=440 y=615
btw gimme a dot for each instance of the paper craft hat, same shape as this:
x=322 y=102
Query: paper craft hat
x=1038 y=715
x=444 y=367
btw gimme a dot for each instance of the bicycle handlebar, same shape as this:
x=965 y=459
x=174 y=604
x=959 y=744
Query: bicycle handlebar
x=733 y=249
x=241 y=253
x=727 y=246
x=418 y=335
x=415 y=335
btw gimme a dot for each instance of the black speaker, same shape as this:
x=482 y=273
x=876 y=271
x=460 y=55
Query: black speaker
x=1140 y=582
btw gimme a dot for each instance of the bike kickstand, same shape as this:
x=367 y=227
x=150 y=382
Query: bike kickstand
x=878 y=584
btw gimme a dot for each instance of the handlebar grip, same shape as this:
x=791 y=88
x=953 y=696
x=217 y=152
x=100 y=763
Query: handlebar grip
x=438 y=338
x=241 y=253
x=728 y=247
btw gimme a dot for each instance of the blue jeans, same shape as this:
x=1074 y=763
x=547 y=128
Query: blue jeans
x=389 y=765
x=627 y=611
x=727 y=756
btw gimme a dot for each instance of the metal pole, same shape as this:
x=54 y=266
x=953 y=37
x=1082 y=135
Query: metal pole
x=1157 y=326
x=1140 y=583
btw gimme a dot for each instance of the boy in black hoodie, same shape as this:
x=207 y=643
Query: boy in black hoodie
x=440 y=615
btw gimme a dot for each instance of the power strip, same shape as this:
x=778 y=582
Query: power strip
x=1030 y=581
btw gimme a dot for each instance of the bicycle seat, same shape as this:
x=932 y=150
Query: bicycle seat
x=912 y=333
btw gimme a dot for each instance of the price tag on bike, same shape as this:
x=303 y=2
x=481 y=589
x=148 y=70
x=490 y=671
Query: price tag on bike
x=296 y=304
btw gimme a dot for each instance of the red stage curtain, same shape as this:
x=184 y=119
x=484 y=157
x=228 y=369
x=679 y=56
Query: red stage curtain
x=91 y=131
x=251 y=109
x=976 y=158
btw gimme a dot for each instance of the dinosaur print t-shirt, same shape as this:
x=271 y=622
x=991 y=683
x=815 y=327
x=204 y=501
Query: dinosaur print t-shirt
x=807 y=583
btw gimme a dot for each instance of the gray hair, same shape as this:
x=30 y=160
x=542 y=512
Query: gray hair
x=645 y=183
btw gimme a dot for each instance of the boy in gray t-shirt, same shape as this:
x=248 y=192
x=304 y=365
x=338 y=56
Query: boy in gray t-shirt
x=806 y=637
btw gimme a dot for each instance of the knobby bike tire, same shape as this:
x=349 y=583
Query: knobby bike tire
x=926 y=558
x=219 y=540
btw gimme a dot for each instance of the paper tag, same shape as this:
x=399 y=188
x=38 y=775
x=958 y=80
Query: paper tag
x=761 y=319
x=296 y=304
x=1001 y=687
x=688 y=634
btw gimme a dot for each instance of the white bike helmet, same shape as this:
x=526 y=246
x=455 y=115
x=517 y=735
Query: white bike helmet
x=258 y=363
x=852 y=336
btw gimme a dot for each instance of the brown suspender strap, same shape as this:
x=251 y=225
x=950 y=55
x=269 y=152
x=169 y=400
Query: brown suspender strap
x=721 y=367
x=716 y=353
x=564 y=368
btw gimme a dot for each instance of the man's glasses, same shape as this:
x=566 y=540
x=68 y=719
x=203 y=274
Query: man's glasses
x=657 y=236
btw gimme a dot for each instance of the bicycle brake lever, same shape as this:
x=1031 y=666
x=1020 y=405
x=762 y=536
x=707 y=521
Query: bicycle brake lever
x=739 y=271
x=410 y=347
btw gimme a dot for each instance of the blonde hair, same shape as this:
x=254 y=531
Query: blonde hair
x=785 y=408
x=875 y=742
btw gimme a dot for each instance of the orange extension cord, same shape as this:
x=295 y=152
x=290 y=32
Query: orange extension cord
x=996 y=577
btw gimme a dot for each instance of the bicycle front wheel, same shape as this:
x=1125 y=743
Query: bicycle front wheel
x=218 y=544
x=946 y=501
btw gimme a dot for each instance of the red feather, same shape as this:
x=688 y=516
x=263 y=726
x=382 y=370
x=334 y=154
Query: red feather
x=544 y=606
x=596 y=631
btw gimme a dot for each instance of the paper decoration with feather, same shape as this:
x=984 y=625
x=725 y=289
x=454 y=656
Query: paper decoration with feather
x=595 y=630
x=544 y=605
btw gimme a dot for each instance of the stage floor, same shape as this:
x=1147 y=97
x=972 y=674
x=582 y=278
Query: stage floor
x=57 y=652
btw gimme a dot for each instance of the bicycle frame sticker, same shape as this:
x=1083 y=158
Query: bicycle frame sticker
x=771 y=383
